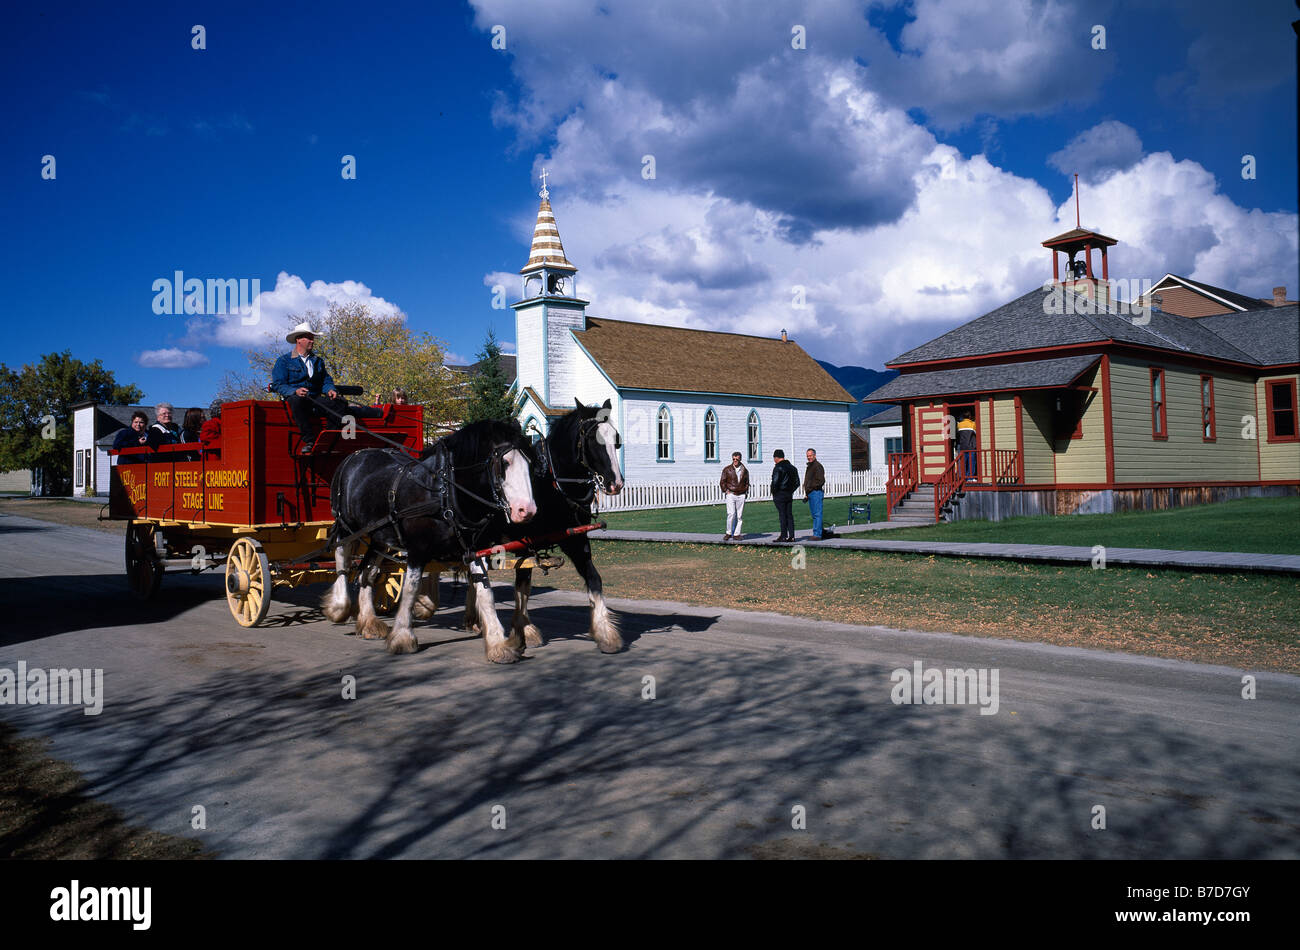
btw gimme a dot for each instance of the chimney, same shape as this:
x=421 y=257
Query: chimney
x=785 y=340
x=1279 y=296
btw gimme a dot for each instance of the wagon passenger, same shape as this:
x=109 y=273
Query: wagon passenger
x=133 y=436
x=305 y=383
x=193 y=424
x=210 y=433
x=163 y=431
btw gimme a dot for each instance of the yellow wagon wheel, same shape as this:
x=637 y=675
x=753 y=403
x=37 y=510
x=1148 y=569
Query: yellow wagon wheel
x=389 y=590
x=248 y=582
x=143 y=570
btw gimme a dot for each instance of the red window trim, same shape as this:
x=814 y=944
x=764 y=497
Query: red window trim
x=1163 y=434
x=1268 y=407
x=1213 y=436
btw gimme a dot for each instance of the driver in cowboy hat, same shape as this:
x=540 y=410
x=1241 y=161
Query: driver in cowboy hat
x=306 y=386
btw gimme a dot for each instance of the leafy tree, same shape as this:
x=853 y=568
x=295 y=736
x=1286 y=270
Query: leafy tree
x=490 y=396
x=50 y=388
x=364 y=349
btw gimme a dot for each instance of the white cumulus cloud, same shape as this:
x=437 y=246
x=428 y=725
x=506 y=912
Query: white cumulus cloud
x=171 y=358
x=793 y=189
x=272 y=313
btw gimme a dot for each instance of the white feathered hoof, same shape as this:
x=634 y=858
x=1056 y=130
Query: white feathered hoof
x=373 y=629
x=609 y=643
x=403 y=642
x=502 y=654
x=424 y=608
x=336 y=611
x=533 y=637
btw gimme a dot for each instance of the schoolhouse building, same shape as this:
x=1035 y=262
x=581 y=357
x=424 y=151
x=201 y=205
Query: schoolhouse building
x=1082 y=403
x=683 y=400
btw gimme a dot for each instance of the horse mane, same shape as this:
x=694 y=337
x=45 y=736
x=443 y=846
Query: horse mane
x=563 y=434
x=473 y=442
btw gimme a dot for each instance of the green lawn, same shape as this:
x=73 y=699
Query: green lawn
x=1262 y=525
x=760 y=517
x=1240 y=620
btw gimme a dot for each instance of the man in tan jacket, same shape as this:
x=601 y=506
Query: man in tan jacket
x=735 y=486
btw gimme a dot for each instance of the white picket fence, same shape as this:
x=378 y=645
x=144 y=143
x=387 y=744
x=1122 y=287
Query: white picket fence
x=686 y=494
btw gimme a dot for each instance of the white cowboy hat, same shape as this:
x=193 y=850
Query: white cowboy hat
x=302 y=329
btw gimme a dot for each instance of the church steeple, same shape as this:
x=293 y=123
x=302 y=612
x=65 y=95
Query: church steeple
x=547 y=264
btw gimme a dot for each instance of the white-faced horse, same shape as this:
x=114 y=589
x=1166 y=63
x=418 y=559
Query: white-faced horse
x=578 y=457
x=458 y=497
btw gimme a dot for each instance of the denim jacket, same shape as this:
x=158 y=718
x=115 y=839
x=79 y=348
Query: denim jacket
x=290 y=374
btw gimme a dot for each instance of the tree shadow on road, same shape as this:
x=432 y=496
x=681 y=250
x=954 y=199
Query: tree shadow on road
x=570 y=757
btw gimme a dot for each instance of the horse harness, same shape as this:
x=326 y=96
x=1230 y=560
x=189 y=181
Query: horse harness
x=445 y=491
x=592 y=482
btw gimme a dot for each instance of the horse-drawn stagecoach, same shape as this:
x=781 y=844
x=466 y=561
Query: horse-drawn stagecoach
x=247 y=504
x=254 y=506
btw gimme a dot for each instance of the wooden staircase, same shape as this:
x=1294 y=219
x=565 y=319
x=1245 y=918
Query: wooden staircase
x=917 y=507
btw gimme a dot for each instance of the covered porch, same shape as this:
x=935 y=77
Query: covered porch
x=1033 y=423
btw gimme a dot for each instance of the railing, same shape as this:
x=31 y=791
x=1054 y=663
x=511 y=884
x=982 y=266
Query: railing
x=635 y=497
x=951 y=481
x=902 y=478
x=990 y=466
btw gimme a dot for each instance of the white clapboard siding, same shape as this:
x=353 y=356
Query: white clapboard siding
x=636 y=497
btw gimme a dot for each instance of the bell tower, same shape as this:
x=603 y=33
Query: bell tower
x=549 y=311
x=1080 y=278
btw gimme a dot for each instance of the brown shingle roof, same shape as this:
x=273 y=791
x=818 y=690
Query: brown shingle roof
x=1078 y=234
x=645 y=356
x=546 y=410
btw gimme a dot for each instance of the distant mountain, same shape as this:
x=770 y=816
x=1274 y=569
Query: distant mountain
x=860 y=381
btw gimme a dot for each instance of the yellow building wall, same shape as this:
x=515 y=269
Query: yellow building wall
x=1183 y=456
x=1036 y=418
x=1083 y=461
x=1004 y=422
x=1279 y=461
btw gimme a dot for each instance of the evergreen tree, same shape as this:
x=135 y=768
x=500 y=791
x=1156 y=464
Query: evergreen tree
x=489 y=389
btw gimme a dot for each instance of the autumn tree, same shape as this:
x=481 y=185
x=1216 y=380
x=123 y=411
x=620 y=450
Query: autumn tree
x=360 y=348
x=36 y=413
x=490 y=396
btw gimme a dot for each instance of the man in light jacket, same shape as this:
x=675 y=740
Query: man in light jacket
x=735 y=486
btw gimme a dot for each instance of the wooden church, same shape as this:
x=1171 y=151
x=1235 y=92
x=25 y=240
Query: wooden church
x=682 y=399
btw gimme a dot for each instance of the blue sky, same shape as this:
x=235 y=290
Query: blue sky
x=901 y=167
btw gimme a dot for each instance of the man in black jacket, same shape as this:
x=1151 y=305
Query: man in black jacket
x=785 y=479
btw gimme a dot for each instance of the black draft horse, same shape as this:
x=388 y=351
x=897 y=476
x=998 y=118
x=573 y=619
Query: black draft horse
x=583 y=456
x=457 y=497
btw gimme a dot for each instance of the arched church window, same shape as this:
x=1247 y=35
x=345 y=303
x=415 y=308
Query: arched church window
x=755 y=437
x=665 y=453
x=710 y=436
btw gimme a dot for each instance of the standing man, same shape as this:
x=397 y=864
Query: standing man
x=814 y=484
x=305 y=383
x=967 y=443
x=785 y=479
x=735 y=486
